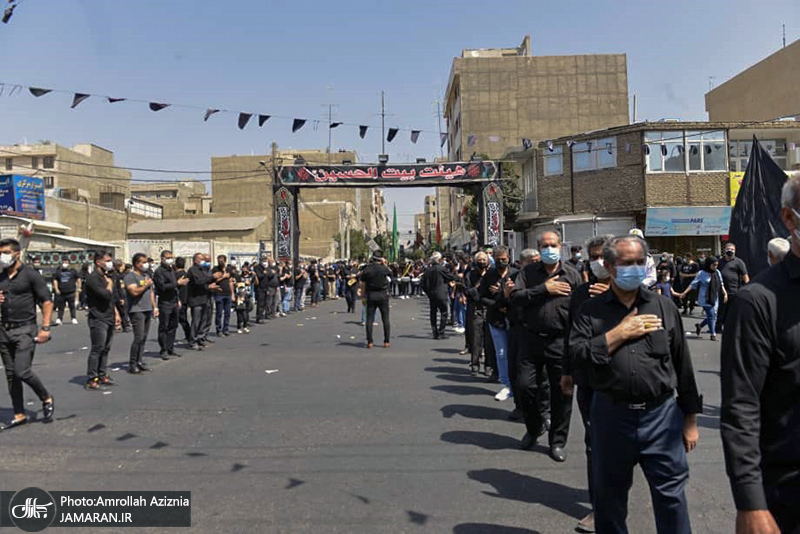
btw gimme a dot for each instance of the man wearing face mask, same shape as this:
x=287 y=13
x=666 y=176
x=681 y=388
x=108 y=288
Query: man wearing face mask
x=434 y=283
x=103 y=317
x=141 y=306
x=630 y=343
x=570 y=377
x=167 y=288
x=734 y=276
x=21 y=290
x=65 y=284
x=272 y=281
x=576 y=260
x=201 y=285
x=761 y=390
x=213 y=291
x=541 y=293
x=223 y=299
x=476 y=311
x=260 y=273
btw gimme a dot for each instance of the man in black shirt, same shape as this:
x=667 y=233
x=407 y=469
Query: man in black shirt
x=223 y=298
x=314 y=275
x=103 y=317
x=270 y=284
x=200 y=282
x=21 y=290
x=734 y=276
x=689 y=271
x=577 y=261
x=434 y=283
x=183 y=297
x=167 y=288
x=630 y=342
x=476 y=312
x=65 y=284
x=121 y=295
x=541 y=292
x=375 y=287
x=761 y=390
x=260 y=274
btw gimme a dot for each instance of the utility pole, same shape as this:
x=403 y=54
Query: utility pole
x=383 y=124
x=330 y=130
x=784 y=34
x=341 y=234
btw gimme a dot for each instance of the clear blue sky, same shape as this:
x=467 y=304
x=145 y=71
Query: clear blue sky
x=288 y=58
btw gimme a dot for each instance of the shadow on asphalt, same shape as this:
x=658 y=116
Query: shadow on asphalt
x=417 y=518
x=451 y=370
x=708 y=372
x=463 y=390
x=475 y=412
x=357 y=344
x=484 y=440
x=468 y=378
x=449 y=351
x=518 y=487
x=486 y=528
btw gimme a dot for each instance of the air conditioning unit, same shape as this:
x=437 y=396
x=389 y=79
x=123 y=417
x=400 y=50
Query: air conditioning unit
x=794 y=156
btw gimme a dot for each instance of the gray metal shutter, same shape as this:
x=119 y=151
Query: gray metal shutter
x=616 y=226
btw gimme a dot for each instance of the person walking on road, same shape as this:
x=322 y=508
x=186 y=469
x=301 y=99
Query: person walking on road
x=65 y=284
x=103 y=318
x=375 y=279
x=435 y=283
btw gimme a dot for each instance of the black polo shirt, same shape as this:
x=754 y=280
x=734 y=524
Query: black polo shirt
x=166 y=283
x=375 y=278
x=579 y=296
x=640 y=370
x=542 y=313
x=23 y=292
x=98 y=298
x=198 y=293
x=761 y=388
x=733 y=273
x=224 y=283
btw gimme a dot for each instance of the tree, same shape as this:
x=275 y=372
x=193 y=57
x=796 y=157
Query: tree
x=358 y=245
x=512 y=198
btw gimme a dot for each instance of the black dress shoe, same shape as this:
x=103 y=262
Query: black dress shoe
x=558 y=454
x=435 y=335
x=164 y=356
x=14 y=423
x=144 y=367
x=516 y=415
x=198 y=347
x=527 y=442
x=174 y=354
x=134 y=370
x=48 y=409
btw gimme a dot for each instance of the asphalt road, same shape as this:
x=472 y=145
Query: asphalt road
x=339 y=439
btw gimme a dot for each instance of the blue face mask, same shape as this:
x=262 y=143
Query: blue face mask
x=550 y=255
x=630 y=277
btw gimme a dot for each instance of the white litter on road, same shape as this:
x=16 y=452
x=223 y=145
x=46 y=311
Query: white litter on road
x=300 y=324
x=84 y=348
x=107 y=393
x=70 y=352
x=338 y=336
x=270 y=371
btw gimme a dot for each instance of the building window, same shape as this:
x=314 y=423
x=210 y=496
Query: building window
x=49 y=182
x=595 y=154
x=9 y=164
x=739 y=152
x=554 y=161
x=677 y=151
x=35 y=162
x=48 y=162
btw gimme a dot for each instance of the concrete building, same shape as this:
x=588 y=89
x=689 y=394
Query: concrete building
x=765 y=91
x=242 y=186
x=609 y=181
x=497 y=97
x=185 y=198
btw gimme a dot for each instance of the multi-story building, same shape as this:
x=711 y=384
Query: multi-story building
x=242 y=186
x=185 y=198
x=765 y=91
x=497 y=97
x=612 y=180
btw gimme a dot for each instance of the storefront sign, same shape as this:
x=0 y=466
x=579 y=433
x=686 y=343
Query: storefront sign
x=22 y=196
x=710 y=220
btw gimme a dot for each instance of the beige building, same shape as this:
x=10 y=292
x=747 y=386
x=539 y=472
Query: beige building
x=242 y=186
x=497 y=97
x=765 y=91
x=185 y=198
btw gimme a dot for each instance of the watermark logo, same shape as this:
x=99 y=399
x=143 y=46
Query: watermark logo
x=32 y=509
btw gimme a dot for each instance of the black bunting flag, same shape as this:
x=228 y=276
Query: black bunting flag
x=442 y=139
x=244 y=118
x=414 y=136
x=362 y=131
x=209 y=112
x=115 y=100
x=262 y=119
x=77 y=99
x=392 y=133
x=335 y=125
x=156 y=106
x=37 y=91
x=297 y=124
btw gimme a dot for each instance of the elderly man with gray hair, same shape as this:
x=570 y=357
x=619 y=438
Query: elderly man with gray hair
x=435 y=282
x=761 y=390
x=777 y=249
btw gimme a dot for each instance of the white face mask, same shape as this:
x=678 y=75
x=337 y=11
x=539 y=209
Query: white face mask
x=265 y=264
x=6 y=260
x=145 y=267
x=599 y=270
x=109 y=266
x=65 y=265
x=169 y=261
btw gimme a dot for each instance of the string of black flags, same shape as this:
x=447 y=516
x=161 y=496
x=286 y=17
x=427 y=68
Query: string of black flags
x=243 y=118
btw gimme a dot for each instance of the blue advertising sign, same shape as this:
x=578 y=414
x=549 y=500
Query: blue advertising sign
x=22 y=195
x=708 y=220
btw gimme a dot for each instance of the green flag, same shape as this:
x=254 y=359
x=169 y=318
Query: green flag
x=393 y=253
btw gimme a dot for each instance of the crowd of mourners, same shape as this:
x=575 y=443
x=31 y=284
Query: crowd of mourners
x=601 y=325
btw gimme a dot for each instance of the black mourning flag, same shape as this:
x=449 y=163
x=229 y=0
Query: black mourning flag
x=756 y=217
x=335 y=125
x=362 y=131
x=297 y=124
x=112 y=100
x=244 y=118
x=209 y=112
x=262 y=119
x=77 y=99
x=38 y=91
x=392 y=133
x=157 y=106
x=414 y=136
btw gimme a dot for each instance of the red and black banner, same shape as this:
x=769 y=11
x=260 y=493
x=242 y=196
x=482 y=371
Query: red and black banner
x=285 y=225
x=420 y=174
x=492 y=215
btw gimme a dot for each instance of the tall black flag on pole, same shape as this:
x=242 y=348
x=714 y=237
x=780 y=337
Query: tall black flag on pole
x=756 y=216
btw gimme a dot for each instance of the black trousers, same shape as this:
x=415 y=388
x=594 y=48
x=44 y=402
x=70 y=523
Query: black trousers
x=532 y=365
x=63 y=300
x=261 y=304
x=208 y=318
x=122 y=310
x=167 y=326
x=469 y=327
x=101 y=335
x=16 y=349
x=271 y=301
x=198 y=318
x=141 y=327
x=513 y=347
x=315 y=293
x=378 y=300
x=478 y=337
x=584 y=395
x=350 y=296
x=183 y=320
x=438 y=307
